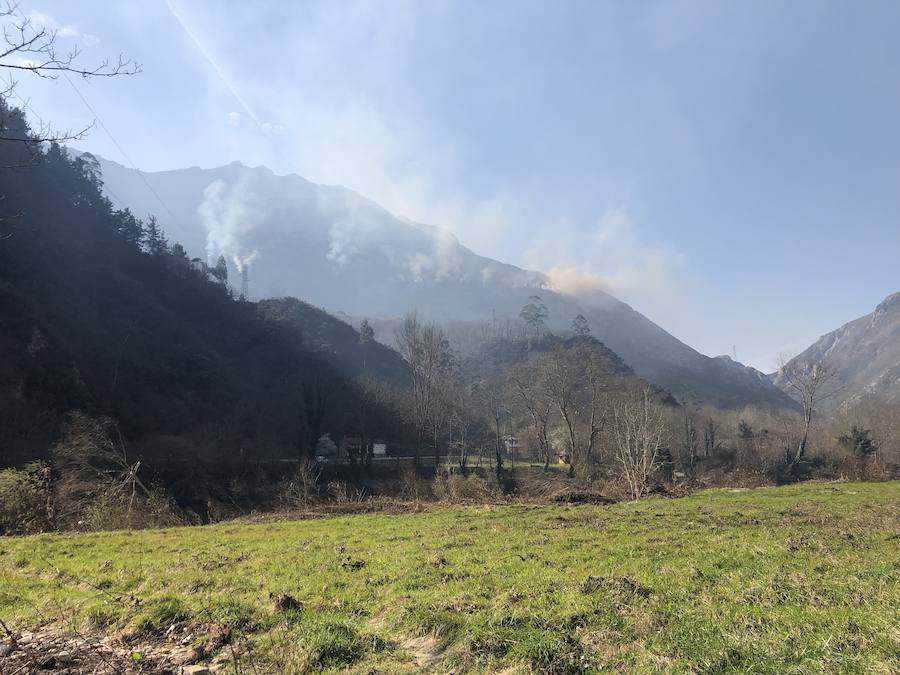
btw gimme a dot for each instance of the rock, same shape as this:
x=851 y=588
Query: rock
x=195 y=670
x=184 y=657
x=7 y=648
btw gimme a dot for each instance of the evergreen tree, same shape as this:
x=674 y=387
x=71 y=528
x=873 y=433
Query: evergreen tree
x=154 y=239
x=366 y=336
x=534 y=314
x=130 y=228
x=580 y=326
x=366 y=333
x=179 y=254
x=220 y=271
x=859 y=441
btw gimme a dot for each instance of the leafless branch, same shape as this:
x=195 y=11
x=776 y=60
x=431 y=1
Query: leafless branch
x=33 y=49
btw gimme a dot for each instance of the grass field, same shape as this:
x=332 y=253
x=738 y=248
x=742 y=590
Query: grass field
x=803 y=578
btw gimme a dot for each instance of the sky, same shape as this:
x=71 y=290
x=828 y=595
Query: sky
x=730 y=169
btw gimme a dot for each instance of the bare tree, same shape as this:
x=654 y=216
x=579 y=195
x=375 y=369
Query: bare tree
x=493 y=400
x=639 y=426
x=459 y=424
x=34 y=49
x=811 y=383
x=597 y=404
x=710 y=436
x=574 y=382
x=91 y=459
x=538 y=406
x=427 y=351
x=690 y=440
x=560 y=379
x=374 y=397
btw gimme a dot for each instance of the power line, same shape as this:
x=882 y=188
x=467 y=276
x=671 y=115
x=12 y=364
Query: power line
x=120 y=148
x=111 y=137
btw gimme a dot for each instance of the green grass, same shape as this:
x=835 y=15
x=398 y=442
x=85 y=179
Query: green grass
x=795 y=579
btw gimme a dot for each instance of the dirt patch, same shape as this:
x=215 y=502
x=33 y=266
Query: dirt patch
x=423 y=649
x=53 y=650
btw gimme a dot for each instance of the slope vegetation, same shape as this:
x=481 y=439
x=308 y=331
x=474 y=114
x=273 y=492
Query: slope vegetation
x=343 y=252
x=99 y=314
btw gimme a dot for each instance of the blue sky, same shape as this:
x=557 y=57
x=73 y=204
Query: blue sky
x=730 y=169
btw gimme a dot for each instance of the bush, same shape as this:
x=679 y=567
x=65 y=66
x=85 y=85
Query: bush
x=858 y=442
x=412 y=485
x=301 y=487
x=25 y=500
x=457 y=487
x=117 y=510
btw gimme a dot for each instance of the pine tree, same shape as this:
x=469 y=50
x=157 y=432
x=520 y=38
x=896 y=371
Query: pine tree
x=534 y=314
x=366 y=333
x=366 y=336
x=580 y=326
x=179 y=254
x=129 y=227
x=220 y=271
x=154 y=239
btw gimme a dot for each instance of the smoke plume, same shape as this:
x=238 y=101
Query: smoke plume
x=230 y=213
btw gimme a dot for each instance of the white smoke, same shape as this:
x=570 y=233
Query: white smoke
x=230 y=213
x=612 y=258
x=240 y=262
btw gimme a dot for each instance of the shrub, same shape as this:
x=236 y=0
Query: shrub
x=457 y=487
x=301 y=487
x=858 y=442
x=25 y=500
x=117 y=510
x=412 y=485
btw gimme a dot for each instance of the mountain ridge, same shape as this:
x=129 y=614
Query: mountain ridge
x=864 y=353
x=344 y=252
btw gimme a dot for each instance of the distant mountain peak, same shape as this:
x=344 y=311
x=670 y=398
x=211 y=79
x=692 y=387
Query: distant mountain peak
x=339 y=250
x=864 y=352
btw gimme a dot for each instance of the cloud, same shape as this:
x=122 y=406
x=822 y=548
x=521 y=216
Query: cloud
x=41 y=20
x=272 y=128
x=336 y=125
x=347 y=116
x=25 y=63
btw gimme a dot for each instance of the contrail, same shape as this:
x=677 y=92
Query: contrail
x=234 y=92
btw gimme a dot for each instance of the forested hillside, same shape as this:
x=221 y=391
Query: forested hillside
x=99 y=313
x=338 y=249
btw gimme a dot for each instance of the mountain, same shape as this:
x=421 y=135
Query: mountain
x=345 y=253
x=865 y=354
x=92 y=321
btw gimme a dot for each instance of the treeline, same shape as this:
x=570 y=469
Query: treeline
x=121 y=357
x=100 y=314
x=568 y=400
